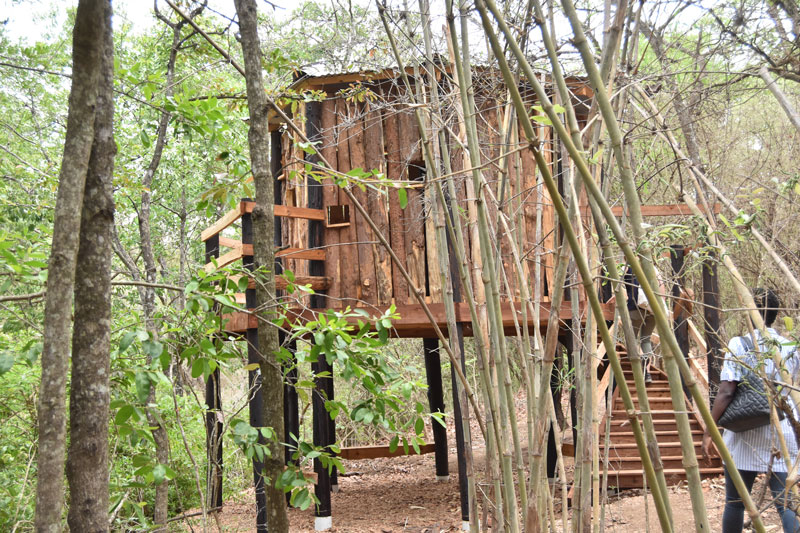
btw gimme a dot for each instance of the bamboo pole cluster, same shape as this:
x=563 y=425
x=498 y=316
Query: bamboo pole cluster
x=514 y=494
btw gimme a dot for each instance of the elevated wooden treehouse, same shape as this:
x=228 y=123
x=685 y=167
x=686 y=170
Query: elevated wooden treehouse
x=366 y=121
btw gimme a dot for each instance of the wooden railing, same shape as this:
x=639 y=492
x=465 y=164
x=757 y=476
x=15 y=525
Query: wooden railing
x=246 y=206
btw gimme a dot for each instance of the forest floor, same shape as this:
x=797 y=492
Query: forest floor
x=401 y=495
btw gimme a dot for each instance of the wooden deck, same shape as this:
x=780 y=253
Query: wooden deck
x=415 y=323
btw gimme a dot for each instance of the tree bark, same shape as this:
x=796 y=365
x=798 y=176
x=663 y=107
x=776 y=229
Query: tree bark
x=264 y=258
x=88 y=36
x=148 y=295
x=87 y=461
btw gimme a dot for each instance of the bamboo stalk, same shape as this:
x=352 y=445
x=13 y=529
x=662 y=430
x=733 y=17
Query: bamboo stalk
x=571 y=238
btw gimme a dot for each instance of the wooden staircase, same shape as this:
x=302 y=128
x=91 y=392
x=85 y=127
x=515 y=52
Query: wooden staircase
x=625 y=465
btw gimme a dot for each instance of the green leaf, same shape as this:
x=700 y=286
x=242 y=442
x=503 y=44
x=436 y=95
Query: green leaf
x=144 y=139
x=402 y=195
x=208 y=347
x=251 y=366
x=419 y=426
x=159 y=474
x=153 y=348
x=789 y=323
x=6 y=362
x=123 y=414
x=197 y=367
x=142 y=381
x=126 y=341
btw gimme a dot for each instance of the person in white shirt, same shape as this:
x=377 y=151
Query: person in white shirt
x=754 y=451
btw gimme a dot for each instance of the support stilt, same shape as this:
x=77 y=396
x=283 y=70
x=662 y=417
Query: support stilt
x=680 y=324
x=433 y=373
x=256 y=403
x=463 y=488
x=322 y=429
x=213 y=421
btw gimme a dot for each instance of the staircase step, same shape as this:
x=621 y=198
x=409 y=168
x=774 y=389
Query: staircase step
x=657 y=403
x=660 y=423
x=657 y=414
x=626 y=436
x=633 y=478
x=629 y=449
x=631 y=463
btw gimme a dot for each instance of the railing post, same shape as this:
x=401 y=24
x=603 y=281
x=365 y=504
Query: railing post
x=256 y=406
x=213 y=420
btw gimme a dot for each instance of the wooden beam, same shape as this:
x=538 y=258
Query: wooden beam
x=240 y=250
x=318 y=283
x=247 y=207
x=230 y=257
x=317 y=254
x=374 y=452
x=299 y=212
x=414 y=322
x=227 y=219
x=665 y=210
x=229 y=243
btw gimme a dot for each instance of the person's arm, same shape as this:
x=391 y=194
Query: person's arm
x=725 y=394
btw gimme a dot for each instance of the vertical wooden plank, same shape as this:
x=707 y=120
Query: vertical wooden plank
x=364 y=236
x=349 y=269
x=316 y=238
x=330 y=197
x=527 y=198
x=413 y=216
x=548 y=212
x=396 y=230
x=377 y=204
x=459 y=183
x=433 y=270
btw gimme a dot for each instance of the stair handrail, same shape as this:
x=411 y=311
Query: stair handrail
x=602 y=386
x=698 y=371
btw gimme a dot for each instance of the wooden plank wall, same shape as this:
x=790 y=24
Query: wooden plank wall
x=382 y=134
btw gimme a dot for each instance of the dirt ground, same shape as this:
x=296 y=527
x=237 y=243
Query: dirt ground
x=401 y=495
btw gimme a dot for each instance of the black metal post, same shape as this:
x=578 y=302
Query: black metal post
x=433 y=374
x=213 y=422
x=680 y=322
x=256 y=403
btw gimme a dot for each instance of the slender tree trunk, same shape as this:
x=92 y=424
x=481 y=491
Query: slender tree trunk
x=87 y=43
x=264 y=257
x=87 y=461
x=160 y=438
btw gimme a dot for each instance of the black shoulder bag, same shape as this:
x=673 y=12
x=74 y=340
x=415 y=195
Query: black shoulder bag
x=750 y=406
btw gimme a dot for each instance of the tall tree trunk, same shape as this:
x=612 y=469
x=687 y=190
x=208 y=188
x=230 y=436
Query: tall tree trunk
x=87 y=43
x=264 y=258
x=87 y=461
